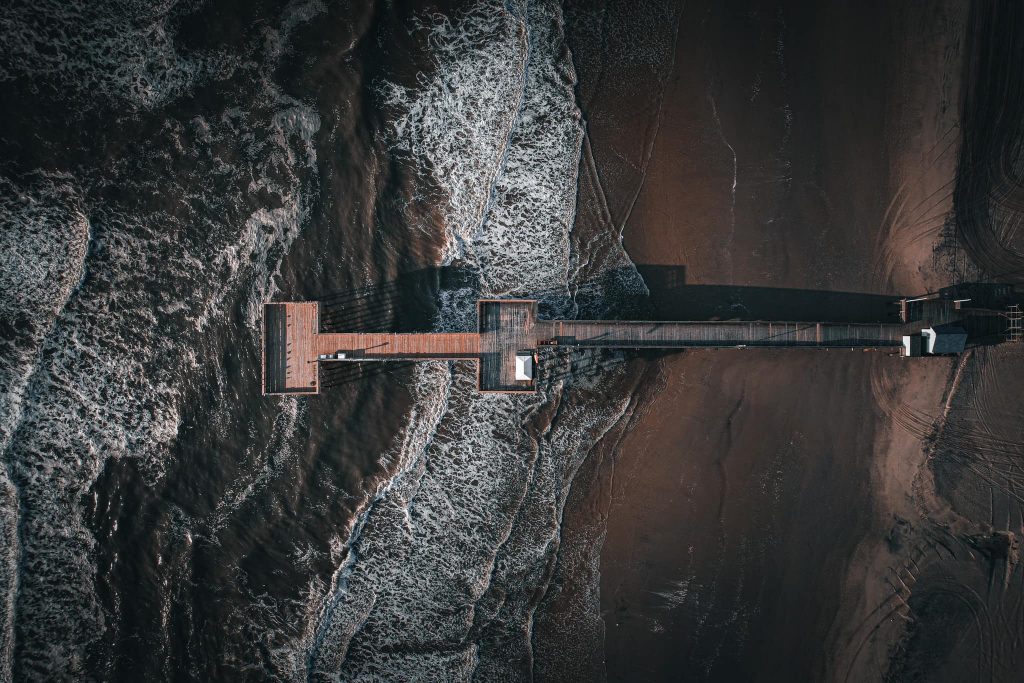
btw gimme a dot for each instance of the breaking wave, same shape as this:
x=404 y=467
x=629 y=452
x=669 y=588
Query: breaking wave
x=444 y=567
x=43 y=240
x=122 y=50
x=96 y=294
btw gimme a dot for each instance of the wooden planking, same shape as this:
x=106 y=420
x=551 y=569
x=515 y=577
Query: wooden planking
x=506 y=327
x=722 y=334
x=303 y=321
x=288 y=356
x=406 y=345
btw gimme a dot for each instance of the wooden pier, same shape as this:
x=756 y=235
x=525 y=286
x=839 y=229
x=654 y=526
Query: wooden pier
x=384 y=346
x=294 y=347
x=637 y=334
x=506 y=328
x=289 y=352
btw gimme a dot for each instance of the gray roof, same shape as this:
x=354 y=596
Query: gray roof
x=949 y=339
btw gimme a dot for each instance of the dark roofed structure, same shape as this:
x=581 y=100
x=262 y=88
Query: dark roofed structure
x=943 y=339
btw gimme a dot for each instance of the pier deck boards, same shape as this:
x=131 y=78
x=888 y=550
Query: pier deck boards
x=289 y=355
x=639 y=334
x=506 y=327
x=293 y=344
x=382 y=346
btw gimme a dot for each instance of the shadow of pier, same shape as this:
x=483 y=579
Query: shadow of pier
x=412 y=302
x=345 y=373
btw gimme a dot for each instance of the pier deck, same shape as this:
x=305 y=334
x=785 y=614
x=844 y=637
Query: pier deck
x=289 y=354
x=639 y=334
x=387 y=346
x=294 y=347
x=506 y=328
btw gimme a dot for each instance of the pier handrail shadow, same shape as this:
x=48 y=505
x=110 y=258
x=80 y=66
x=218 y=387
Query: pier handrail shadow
x=411 y=303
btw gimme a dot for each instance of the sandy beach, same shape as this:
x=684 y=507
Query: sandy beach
x=763 y=507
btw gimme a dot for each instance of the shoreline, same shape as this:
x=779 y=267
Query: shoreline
x=749 y=503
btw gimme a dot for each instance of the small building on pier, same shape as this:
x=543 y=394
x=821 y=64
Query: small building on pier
x=524 y=366
x=912 y=345
x=944 y=339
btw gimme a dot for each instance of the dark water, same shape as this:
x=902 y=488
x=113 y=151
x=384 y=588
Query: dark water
x=168 y=167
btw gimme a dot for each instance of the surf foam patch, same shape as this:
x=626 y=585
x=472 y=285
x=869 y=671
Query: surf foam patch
x=471 y=517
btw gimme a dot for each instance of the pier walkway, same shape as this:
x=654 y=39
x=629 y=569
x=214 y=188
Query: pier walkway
x=637 y=334
x=294 y=347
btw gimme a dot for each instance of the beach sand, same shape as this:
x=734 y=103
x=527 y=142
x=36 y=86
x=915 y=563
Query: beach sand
x=761 y=503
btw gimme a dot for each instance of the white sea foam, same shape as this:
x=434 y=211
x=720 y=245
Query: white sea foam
x=446 y=559
x=43 y=240
x=120 y=50
x=456 y=127
x=100 y=386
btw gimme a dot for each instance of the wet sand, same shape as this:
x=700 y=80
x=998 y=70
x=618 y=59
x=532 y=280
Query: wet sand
x=757 y=507
x=736 y=506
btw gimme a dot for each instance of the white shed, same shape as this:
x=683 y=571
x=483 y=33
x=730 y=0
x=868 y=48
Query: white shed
x=912 y=345
x=524 y=366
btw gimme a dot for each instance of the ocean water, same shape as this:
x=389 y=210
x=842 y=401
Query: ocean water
x=161 y=519
x=116 y=275
x=445 y=567
x=167 y=167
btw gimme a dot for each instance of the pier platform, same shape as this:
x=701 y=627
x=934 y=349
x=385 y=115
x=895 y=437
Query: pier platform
x=718 y=334
x=505 y=345
x=507 y=327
